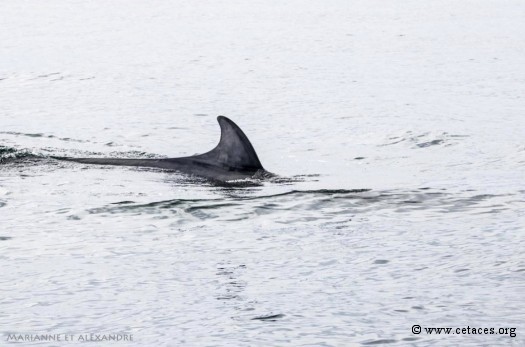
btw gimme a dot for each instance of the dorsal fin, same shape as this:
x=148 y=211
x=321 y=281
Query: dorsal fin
x=234 y=149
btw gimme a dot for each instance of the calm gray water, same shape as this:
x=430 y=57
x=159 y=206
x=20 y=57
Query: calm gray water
x=397 y=130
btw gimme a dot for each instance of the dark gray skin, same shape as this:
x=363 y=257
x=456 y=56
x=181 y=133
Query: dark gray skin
x=233 y=158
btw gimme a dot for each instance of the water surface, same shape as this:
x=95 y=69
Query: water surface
x=396 y=129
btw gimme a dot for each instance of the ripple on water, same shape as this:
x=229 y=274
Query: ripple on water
x=424 y=140
x=312 y=205
x=271 y=317
x=378 y=342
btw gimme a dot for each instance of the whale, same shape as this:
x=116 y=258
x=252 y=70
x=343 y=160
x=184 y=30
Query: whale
x=234 y=158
